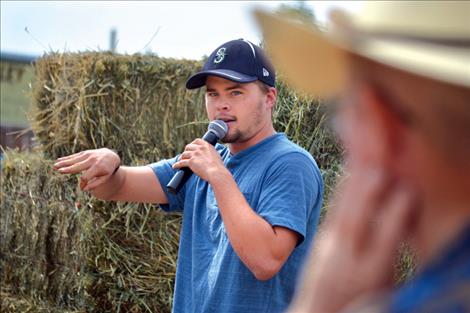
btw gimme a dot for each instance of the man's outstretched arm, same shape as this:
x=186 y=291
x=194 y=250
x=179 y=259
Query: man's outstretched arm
x=104 y=177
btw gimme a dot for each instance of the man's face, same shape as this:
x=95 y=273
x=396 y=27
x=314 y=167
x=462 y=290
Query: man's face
x=242 y=106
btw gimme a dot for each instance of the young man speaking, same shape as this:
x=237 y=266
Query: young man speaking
x=252 y=206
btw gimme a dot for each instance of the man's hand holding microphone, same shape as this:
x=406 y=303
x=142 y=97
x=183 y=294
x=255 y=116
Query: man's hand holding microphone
x=199 y=157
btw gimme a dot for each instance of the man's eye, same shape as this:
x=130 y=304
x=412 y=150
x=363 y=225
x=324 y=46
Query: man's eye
x=236 y=93
x=212 y=94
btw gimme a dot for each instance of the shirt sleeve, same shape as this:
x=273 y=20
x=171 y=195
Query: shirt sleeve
x=292 y=189
x=164 y=171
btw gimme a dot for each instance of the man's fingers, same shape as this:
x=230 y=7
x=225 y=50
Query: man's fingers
x=92 y=173
x=82 y=184
x=185 y=155
x=70 y=161
x=76 y=168
x=96 y=182
x=193 y=146
x=181 y=163
x=388 y=232
x=71 y=156
x=396 y=222
x=366 y=209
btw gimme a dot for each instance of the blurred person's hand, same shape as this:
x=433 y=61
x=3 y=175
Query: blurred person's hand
x=96 y=166
x=355 y=253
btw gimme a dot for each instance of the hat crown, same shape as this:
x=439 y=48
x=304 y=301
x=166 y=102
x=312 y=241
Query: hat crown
x=244 y=57
x=237 y=60
x=433 y=19
x=229 y=55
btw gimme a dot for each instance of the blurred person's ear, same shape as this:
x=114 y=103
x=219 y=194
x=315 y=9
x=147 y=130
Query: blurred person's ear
x=385 y=132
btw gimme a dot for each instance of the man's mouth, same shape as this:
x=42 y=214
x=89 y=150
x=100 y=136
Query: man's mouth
x=227 y=120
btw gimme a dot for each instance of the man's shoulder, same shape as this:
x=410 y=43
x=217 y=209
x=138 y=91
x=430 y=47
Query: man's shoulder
x=283 y=158
x=284 y=148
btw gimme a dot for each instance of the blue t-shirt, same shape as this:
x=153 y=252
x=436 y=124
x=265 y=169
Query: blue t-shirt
x=282 y=184
x=443 y=286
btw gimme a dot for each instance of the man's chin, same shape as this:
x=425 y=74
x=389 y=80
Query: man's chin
x=231 y=138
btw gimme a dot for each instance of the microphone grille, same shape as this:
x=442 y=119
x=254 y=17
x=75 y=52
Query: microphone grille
x=219 y=128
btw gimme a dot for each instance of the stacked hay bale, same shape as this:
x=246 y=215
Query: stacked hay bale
x=137 y=105
x=63 y=250
x=77 y=252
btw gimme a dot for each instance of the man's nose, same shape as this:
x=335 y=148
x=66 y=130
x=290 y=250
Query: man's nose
x=223 y=105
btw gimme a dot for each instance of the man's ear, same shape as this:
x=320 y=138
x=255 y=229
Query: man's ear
x=271 y=97
x=386 y=130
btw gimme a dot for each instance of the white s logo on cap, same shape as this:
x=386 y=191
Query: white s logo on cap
x=219 y=55
x=265 y=72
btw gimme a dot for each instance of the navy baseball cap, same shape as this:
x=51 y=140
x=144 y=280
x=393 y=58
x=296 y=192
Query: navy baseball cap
x=237 y=60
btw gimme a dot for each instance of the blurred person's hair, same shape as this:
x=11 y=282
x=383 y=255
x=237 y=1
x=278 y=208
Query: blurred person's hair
x=439 y=110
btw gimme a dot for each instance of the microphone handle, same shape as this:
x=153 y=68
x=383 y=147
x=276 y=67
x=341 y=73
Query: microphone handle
x=210 y=137
x=182 y=175
x=179 y=179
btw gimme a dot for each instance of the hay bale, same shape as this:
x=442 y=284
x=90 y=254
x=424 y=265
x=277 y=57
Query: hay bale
x=62 y=246
x=136 y=104
x=11 y=302
x=38 y=228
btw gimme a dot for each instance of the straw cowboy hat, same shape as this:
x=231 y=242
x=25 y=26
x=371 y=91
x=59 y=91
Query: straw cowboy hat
x=427 y=38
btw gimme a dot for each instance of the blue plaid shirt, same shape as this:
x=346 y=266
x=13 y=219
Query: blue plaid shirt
x=443 y=286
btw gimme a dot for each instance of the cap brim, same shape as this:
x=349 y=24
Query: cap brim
x=199 y=79
x=304 y=56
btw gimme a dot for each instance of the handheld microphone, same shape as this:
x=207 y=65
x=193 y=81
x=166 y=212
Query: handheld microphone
x=216 y=130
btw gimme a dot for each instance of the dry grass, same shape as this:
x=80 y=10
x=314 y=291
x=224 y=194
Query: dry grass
x=135 y=104
x=62 y=246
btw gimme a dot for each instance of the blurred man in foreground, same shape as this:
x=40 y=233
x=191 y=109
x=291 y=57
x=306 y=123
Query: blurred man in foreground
x=402 y=75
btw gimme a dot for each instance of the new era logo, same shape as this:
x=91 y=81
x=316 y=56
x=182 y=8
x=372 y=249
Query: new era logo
x=265 y=72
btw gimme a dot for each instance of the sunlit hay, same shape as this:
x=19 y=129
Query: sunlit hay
x=12 y=302
x=135 y=104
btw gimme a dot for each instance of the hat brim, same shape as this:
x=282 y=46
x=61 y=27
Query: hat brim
x=306 y=58
x=316 y=63
x=199 y=79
